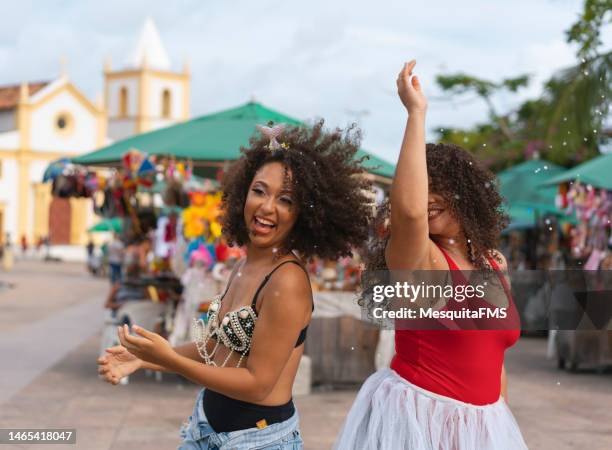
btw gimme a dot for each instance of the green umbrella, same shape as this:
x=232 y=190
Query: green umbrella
x=596 y=172
x=214 y=138
x=115 y=225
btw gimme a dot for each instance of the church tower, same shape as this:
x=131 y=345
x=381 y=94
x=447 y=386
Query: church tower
x=145 y=93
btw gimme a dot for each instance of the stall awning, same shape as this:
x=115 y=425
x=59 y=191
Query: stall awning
x=212 y=138
x=524 y=196
x=596 y=172
x=114 y=225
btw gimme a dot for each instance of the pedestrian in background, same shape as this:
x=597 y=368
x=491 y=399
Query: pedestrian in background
x=116 y=251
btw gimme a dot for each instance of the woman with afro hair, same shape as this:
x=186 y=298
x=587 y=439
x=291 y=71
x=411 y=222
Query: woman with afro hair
x=446 y=388
x=295 y=193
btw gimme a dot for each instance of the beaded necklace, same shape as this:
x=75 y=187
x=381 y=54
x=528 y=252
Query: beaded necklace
x=235 y=331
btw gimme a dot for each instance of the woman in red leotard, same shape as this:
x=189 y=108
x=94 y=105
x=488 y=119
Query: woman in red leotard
x=445 y=389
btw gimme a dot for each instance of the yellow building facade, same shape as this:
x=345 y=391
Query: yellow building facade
x=42 y=122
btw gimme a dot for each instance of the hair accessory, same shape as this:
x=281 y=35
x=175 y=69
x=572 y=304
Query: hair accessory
x=272 y=133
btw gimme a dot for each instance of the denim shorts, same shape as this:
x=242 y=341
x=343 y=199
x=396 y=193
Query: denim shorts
x=197 y=434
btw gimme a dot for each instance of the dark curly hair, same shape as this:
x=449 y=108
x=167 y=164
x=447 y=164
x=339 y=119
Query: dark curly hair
x=328 y=185
x=472 y=196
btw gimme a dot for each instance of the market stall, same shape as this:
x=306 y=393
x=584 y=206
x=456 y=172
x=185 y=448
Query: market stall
x=534 y=217
x=584 y=293
x=534 y=241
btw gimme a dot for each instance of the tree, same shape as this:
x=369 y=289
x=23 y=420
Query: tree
x=566 y=124
x=459 y=84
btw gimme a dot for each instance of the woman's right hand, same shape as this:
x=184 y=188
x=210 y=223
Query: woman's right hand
x=409 y=89
x=117 y=363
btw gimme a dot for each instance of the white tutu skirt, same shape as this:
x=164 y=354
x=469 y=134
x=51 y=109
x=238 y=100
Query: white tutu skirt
x=391 y=413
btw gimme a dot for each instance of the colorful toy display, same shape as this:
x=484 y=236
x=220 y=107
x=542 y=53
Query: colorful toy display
x=593 y=208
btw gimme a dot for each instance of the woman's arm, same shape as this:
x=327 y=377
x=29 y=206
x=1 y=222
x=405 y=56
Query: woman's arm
x=285 y=309
x=409 y=242
x=188 y=350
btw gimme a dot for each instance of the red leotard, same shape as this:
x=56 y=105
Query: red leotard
x=463 y=364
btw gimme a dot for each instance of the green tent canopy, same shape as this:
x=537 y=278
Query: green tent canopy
x=596 y=172
x=107 y=225
x=525 y=197
x=213 y=138
x=522 y=183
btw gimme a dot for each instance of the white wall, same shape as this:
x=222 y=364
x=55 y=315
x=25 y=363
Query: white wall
x=160 y=123
x=9 y=140
x=46 y=137
x=9 y=195
x=7 y=121
x=121 y=128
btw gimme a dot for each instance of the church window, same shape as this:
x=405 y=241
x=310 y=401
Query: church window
x=64 y=123
x=123 y=102
x=166 y=111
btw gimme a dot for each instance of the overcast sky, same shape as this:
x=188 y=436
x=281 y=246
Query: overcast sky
x=318 y=58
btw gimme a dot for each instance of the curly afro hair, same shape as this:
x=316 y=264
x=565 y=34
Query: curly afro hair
x=335 y=209
x=472 y=196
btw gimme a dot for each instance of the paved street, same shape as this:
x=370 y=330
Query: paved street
x=49 y=339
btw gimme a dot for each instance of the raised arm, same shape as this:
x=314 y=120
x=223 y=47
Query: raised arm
x=409 y=244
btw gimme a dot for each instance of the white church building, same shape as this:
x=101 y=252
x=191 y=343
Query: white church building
x=41 y=122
